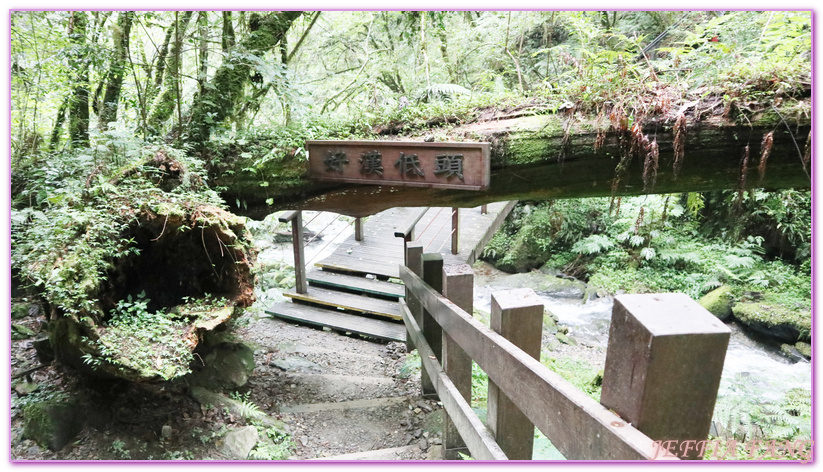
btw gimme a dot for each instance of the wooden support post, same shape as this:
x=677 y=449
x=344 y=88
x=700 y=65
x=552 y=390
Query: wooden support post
x=358 y=229
x=414 y=261
x=296 y=218
x=517 y=315
x=663 y=367
x=432 y=275
x=458 y=286
x=484 y=209
x=455 y=230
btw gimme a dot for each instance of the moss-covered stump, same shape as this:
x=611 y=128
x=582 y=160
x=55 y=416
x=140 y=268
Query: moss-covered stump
x=718 y=302
x=774 y=320
x=135 y=269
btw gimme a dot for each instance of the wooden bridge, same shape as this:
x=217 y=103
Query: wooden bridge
x=356 y=289
x=663 y=364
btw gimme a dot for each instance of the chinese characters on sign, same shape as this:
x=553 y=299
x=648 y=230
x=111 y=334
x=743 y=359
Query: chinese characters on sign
x=421 y=164
x=409 y=165
x=335 y=161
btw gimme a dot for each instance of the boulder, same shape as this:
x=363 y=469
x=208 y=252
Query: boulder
x=237 y=444
x=552 y=285
x=776 y=321
x=53 y=423
x=20 y=310
x=224 y=366
x=718 y=302
x=805 y=349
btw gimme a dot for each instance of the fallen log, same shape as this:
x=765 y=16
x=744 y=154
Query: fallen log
x=563 y=155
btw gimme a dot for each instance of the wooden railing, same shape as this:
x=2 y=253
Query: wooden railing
x=407 y=233
x=523 y=393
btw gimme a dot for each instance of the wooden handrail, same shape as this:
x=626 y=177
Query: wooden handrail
x=288 y=216
x=576 y=424
x=409 y=230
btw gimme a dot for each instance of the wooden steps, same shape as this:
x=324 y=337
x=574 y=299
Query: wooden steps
x=348 y=283
x=348 y=301
x=338 y=320
x=360 y=265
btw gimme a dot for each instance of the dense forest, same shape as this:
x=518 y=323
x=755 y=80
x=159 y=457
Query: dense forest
x=130 y=125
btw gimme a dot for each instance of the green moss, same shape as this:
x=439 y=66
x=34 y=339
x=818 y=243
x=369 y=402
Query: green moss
x=718 y=302
x=19 y=310
x=52 y=422
x=775 y=320
x=804 y=348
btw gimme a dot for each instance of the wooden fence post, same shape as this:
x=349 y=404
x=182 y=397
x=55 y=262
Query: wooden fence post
x=518 y=316
x=432 y=275
x=358 y=229
x=296 y=218
x=458 y=286
x=414 y=261
x=455 y=230
x=663 y=367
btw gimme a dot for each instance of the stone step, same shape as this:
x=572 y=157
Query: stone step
x=389 y=454
x=347 y=405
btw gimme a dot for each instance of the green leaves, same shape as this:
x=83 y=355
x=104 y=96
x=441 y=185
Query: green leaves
x=593 y=244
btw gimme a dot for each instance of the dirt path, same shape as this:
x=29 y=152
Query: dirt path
x=339 y=395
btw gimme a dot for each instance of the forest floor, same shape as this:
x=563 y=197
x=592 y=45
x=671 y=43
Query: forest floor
x=340 y=397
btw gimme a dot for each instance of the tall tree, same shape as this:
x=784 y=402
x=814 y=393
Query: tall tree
x=167 y=101
x=79 y=63
x=117 y=69
x=224 y=91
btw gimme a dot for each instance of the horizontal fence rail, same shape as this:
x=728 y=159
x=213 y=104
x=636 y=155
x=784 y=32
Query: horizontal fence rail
x=576 y=424
x=478 y=439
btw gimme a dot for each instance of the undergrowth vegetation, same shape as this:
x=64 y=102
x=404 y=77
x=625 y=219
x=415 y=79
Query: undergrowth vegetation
x=662 y=243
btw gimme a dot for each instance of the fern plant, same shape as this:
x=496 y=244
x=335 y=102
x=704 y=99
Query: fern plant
x=593 y=244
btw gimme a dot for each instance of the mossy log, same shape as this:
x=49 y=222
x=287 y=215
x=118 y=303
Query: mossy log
x=556 y=156
x=150 y=262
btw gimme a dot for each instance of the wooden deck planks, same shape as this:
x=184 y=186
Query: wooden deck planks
x=348 y=301
x=338 y=320
x=332 y=280
x=360 y=266
x=380 y=252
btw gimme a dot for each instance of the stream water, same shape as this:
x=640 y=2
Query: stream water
x=754 y=368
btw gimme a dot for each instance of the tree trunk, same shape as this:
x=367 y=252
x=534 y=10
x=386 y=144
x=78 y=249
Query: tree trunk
x=78 y=61
x=227 y=36
x=58 y=124
x=202 y=49
x=223 y=95
x=544 y=158
x=159 y=71
x=120 y=36
x=165 y=104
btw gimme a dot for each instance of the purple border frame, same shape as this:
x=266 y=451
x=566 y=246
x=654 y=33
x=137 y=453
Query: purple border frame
x=815 y=258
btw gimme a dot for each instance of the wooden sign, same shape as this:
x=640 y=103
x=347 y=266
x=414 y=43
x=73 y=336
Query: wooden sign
x=401 y=163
